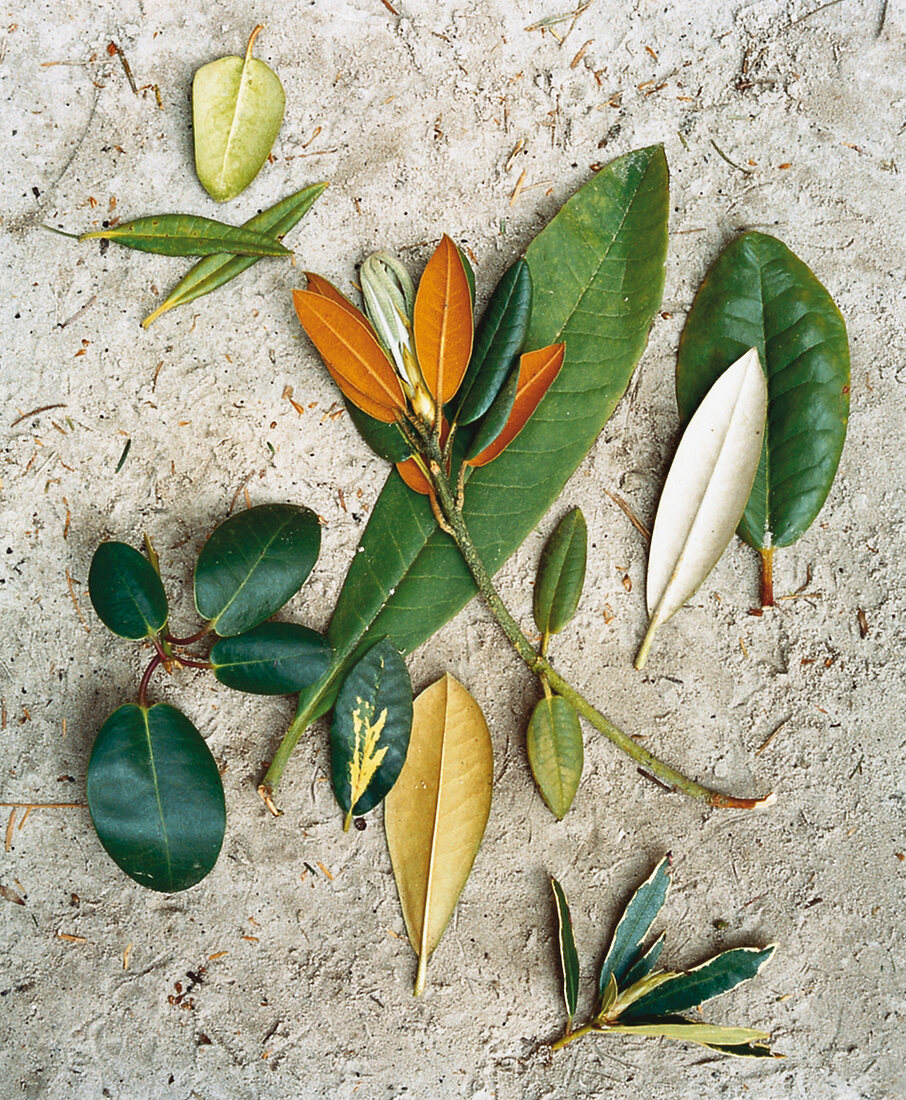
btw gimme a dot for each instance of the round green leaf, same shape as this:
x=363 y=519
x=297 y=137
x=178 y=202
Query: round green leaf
x=760 y=295
x=126 y=592
x=155 y=797
x=253 y=563
x=555 y=752
x=271 y=659
x=561 y=574
x=369 y=735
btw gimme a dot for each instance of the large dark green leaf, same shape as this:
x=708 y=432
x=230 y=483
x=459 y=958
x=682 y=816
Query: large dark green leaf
x=718 y=975
x=271 y=659
x=555 y=752
x=634 y=926
x=253 y=563
x=369 y=735
x=569 y=958
x=760 y=295
x=126 y=592
x=561 y=574
x=498 y=341
x=155 y=797
x=598 y=275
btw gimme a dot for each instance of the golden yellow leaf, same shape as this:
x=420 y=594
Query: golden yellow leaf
x=436 y=814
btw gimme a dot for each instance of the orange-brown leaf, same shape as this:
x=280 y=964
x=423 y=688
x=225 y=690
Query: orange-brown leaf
x=537 y=371
x=353 y=356
x=317 y=284
x=442 y=320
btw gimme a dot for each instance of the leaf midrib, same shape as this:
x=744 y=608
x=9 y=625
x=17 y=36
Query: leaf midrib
x=284 y=524
x=160 y=809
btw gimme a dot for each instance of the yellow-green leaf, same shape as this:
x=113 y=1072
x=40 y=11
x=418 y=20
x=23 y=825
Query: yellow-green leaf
x=708 y=1034
x=436 y=814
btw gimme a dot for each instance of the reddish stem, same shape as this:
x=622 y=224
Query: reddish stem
x=146 y=679
x=767 y=577
x=188 y=641
x=192 y=664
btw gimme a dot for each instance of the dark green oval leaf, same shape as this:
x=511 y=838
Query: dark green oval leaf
x=499 y=339
x=634 y=926
x=759 y=294
x=253 y=563
x=555 y=752
x=569 y=958
x=369 y=735
x=494 y=420
x=386 y=440
x=213 y=271
x=561 y=574
x=189 y=235
x=155 y=797
x=126 y=592
x=718 y=975
x=271 y=659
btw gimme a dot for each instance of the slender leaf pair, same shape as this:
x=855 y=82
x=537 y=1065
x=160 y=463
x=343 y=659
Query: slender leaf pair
x=633 y=997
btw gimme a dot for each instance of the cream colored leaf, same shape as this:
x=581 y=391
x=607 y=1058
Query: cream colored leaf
x=706 y=490
x=693 y=1032
x=436 y=813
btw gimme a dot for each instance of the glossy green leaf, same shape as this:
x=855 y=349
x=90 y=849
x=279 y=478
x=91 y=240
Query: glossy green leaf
x=561 y=574
x=271 y=659
x=155 y=797
x=189 y=235
x=718 y=975
x=569 y=958
x=470 y=273
x=213 y=271
x=237 y=109
x=494 y=420
x=253 y=563
x=369 y=734
x=600 y=268
x=634 y=925
x=555 y=752
x=386 y=440
x=126 y=592
x=645 y=963
x=759 y=294
x=499 y=339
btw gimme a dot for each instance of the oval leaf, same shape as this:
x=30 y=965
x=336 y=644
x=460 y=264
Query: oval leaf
x=498 y=340
x=436 y=814
x=569 y=958
x=237 y=109
x=369 y=734
x=561 y=574
x=759 y=294
x=555 y=752
x=214 y=271
x=271 y=659
x=253 y=563
x=386 y=440
x=706 y=490
x=126 y=592
x=352 y=354
x=537 y=371
x=189 y=235
x=155 y=797
x=442 y=322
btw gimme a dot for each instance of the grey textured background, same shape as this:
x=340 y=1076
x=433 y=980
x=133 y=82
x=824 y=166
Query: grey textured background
x=413 y=117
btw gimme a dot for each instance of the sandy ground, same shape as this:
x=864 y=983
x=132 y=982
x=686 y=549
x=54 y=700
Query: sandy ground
x=286 y=973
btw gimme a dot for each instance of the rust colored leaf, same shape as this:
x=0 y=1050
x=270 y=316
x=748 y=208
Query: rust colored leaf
x=537 y=371
x=317 y=284
x=442 y=320
x=351 y=353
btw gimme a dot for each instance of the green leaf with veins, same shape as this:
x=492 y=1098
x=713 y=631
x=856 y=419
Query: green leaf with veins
x=126 y=591
x=271 y=659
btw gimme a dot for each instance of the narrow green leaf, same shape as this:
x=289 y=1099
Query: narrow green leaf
x=646 y=962
x=718 y=975
x=237 y=109
x=561 y=574
x=253 y=563
x=600 y=267
x=632 y=992
x=271 y=659
x=569 y=958
x=494 y=420
x=634 y=925
x=470 y=273
x=759 y=294
x=214 y=271
x=692 y=1032
x=369 y=735
x=126 y=591
x=555 y=752
x=188 y=235
x=499 y=339
x=155 y=797
x=386 y=440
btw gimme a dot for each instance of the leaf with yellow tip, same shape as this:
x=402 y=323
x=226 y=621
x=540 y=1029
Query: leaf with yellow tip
x=436 y=814
x=369 y=734
x=442 y=320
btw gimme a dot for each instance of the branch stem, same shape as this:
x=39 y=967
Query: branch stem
x=767 y=577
